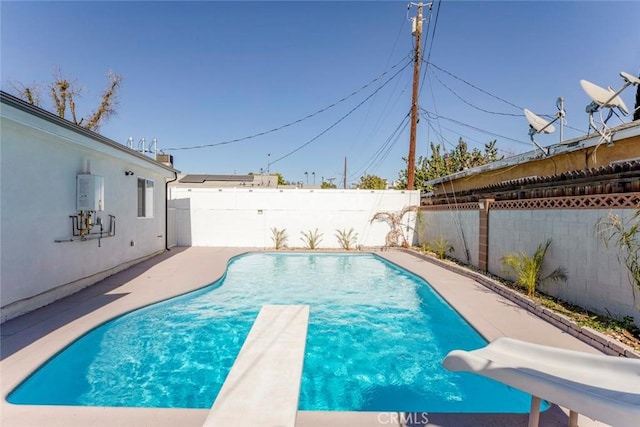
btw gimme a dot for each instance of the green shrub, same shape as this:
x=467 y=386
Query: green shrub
x=346 y=238
x=527 y=269
x=440 y=247
x=279 y=238
x=311 y=239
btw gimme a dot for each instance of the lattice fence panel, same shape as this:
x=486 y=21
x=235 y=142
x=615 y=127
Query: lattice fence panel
x=472 y=206
x=595 y=201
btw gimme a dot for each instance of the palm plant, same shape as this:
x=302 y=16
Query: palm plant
x=279 y=238
x=440 y=247
x=527 y=269
x=394 y=220
x=311 y=239
x=346 y=238
x=624 y=235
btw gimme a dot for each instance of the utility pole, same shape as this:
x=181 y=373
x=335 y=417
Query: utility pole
x=344 y=182
x=411 y=161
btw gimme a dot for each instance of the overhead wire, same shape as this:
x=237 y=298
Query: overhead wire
x=473 y=105
x=433 y=35
x=424 y=46
x=393 y=49
x=380 y=150
x=341 y=118
x=435 y=26
x=475 y=87
x=322 y=110
x=430 y=114
x=435 y=107
x=383 y=148
x=550 y=116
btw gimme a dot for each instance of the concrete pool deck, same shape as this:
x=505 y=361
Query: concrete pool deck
x=29 y=340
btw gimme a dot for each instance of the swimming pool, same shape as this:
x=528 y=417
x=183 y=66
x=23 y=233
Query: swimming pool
x=377 y=335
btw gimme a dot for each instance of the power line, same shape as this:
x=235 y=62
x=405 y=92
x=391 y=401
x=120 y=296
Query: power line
x=384 y=154
x=551 y=116
x=475 y=87
x=296 y=121
x=461 y=135
x=383 y=151
x=433 y=35
x=424 y=48
x=442 y=138
x=341 y=118
x=472 y=105
x=379 y=121
x=435 y=107
x=437 y=116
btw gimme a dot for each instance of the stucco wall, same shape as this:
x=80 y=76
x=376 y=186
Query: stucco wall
x=245 y=217
x=40 y=161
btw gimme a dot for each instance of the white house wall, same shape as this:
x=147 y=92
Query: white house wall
x=40 y=161
x=245 y=217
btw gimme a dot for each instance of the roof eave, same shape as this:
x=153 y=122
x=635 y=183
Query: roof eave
x=18 y=103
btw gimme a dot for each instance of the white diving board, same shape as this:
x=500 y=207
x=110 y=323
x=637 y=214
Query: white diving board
x=605 y=388
x=263 y=386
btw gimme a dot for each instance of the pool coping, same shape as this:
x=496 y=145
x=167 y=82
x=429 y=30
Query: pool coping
x=35 y=337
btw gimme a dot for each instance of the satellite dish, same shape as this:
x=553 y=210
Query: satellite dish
x=603 y=97
x=632 y=80
x=538 y=123
x=606 y=98
x=619 y=102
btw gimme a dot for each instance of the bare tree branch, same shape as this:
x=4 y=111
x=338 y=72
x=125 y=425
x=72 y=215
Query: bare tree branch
x=63 y=92
x=107 y=105
x=30 y=93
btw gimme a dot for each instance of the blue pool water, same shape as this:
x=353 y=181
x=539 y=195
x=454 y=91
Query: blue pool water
x=377 y=335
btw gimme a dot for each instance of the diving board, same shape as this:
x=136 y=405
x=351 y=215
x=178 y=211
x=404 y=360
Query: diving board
x=605 y=388
x=263 y=386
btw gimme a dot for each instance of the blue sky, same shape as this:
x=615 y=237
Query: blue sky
x=202 y=73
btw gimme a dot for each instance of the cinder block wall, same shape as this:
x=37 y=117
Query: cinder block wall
x=459 y=227
x=597 y=280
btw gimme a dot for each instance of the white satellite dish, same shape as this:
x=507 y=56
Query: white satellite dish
x=619 y=102
x=606 y=98
x=538 y=123
x=603 y=97
x=633 y=80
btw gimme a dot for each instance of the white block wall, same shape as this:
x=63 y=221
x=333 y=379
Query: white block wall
x=457 y=227
x=244 y=217
x=597 y=280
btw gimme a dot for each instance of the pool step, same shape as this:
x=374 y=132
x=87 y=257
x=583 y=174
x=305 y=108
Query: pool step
x=263 y=386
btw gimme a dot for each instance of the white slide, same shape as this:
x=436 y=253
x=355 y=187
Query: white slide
x=604 y=388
